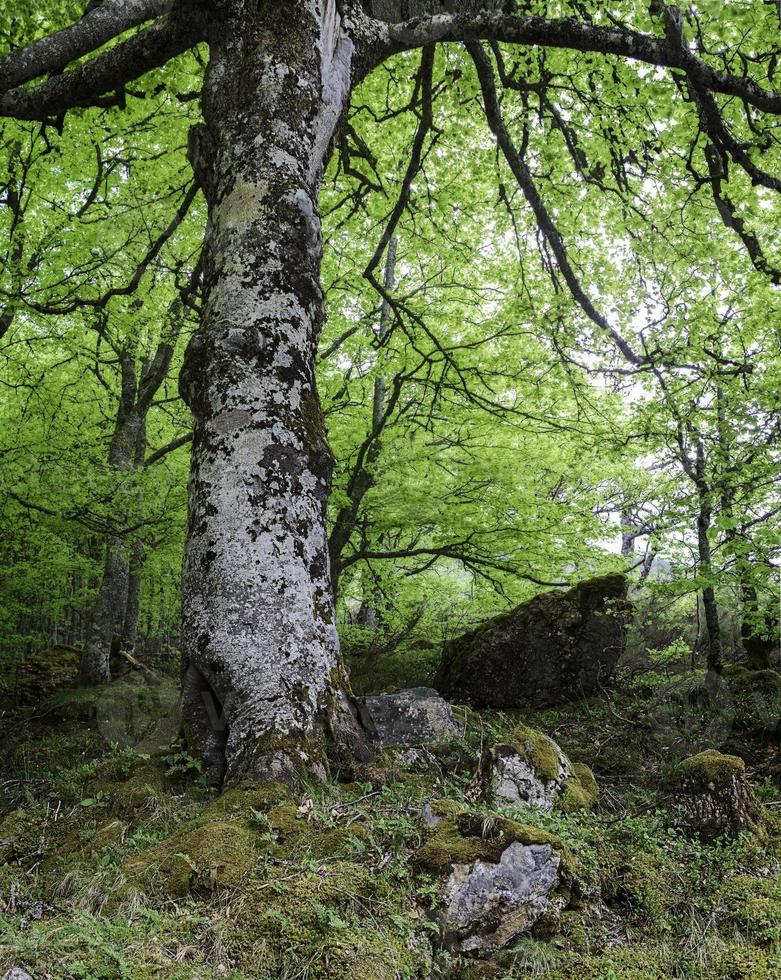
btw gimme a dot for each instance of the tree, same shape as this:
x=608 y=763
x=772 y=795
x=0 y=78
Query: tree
x=259 y=635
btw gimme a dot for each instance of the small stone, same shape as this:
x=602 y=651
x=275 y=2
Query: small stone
x=17 y=973
x=429 y=817
x=418 y=716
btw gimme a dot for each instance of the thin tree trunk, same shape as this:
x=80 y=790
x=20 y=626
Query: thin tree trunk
x=757 y=647
x=709 y=603
x=108 y=613
x=362 y=478
x=137 y=554
x=263 y=684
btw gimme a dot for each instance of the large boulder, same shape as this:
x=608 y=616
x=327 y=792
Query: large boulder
x=415 y=717
x=557 y=647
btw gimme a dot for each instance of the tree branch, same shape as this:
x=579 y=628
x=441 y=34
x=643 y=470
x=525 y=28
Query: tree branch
x=545 y=222
x=449 y=551
x=481 y=25
x=52 y=54
x=170 y=447
x=109 y=72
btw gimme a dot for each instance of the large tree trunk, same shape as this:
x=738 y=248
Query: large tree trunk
x=263 y=685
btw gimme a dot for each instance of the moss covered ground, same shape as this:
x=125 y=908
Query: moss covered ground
x=117 y=864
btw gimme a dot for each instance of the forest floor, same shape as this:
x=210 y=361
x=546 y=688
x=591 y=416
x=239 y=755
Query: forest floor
x=121 y=864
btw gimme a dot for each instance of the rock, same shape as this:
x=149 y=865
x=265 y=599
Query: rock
x=756 y=698
x=529 y=769
x=17 y=973
x=501 y=876
x=557 y=647
x=47 y=671
x=717 y=798
x=415 y=717
x=488 y=905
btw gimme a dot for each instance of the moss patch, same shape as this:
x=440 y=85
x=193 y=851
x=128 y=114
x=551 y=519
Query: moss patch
x=753 y=906
x=480 y=836
x=47 y=671
x=319 y=915
x=217 y=855
x=535 y=748
x=240 y=801
x=580 y=791
x=711 y=768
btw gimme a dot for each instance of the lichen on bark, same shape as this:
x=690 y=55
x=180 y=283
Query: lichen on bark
x=260 y=642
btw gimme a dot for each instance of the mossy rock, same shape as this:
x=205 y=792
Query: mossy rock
x=536 y=749
x=47 y=671
x=468 y=836
x=240 y=801
x=528 y=769
x=580 y=791
x=217 y=855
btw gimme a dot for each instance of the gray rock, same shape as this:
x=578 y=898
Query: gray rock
x=415 y=717
x=514 y=778
x=16 y=973
x=486 y=906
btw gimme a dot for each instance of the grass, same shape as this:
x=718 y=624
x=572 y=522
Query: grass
x=328 y=884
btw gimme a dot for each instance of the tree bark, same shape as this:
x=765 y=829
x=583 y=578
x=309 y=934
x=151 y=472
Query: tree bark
x=137 y=555
x=108 y=614
x=263 y=685
x=758 y=643
x=705 y=560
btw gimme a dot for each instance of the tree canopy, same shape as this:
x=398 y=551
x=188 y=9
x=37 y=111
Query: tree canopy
x=550 y=269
